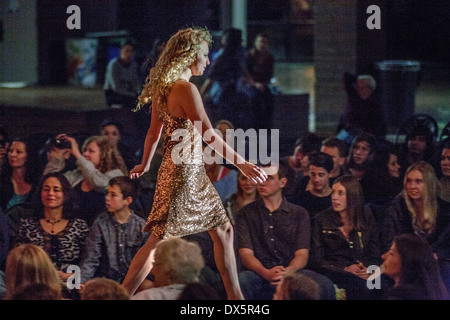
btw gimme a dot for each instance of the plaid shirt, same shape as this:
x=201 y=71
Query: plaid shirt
x=110 y=247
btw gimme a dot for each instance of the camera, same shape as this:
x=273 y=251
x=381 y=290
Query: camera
x=62 y=144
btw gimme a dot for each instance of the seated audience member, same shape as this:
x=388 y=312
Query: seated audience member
x=223 y=178
x=418 y=146
x=53 y=226
x=199 y=291
x=345 y=240
x=411 y=263
x=297 y=163
x=177 y=263
x=20 y=174
x=419 y=209
x=245 y=194
x=363 y=112
x=4 y=249
x=338 y=150
x=112 y=130
x=28 y=264
x=318 y=196
x=273 y=239
x=55 y=146
x=122 y=83
x=361 y=150
x=99 y=162
x=445 y=170
x=4 y=145
x=103 y=289
x=297 y=286
x=4 y=239
x=381 y=182
x=115 y=236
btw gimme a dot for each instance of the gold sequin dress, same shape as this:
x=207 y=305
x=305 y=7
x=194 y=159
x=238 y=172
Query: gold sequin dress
x=185 y=200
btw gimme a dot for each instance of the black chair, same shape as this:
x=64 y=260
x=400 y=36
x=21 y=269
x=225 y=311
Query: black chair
x=445 y=134
x=415 y=121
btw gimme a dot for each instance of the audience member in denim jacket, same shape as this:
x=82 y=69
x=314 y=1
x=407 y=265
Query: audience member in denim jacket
x=345 y=240
x=419 y=209
x=115 y=237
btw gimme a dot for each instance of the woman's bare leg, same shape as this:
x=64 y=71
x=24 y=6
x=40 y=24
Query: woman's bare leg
x=226 y=260
x=140 y=266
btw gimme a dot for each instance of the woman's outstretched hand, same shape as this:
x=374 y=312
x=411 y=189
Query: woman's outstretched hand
x=137 y=171
x=253 y=172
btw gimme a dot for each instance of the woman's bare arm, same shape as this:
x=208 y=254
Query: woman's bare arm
x=188 y=97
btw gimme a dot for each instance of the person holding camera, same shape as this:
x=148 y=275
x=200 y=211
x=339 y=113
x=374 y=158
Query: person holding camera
x=97 y=162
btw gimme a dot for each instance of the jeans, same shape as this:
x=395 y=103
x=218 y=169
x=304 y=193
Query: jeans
x=255 y=287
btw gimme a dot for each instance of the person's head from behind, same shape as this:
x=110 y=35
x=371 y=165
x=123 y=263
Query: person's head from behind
x=199 y=291
x=127 y=51
x=177 y=261
x=103 y=289
x=365 y=86
x=275 y=182
x=37 y=291
x=111 y=130
x=120 y=194
x=231 y=39
x=55 y=192
x=28 y=264
x=103 y=155
x=297 y=286
x=320 y=167
x=411 y=260
x=304 y=146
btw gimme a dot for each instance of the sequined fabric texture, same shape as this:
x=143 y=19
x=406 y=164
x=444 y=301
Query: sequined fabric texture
x=185 y=200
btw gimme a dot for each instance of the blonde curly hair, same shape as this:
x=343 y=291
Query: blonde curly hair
x=180 y=53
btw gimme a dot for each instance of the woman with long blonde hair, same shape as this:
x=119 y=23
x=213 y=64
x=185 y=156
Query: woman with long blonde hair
x=185 y=200
x=420 y=210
